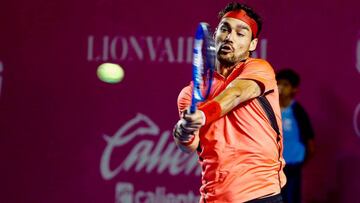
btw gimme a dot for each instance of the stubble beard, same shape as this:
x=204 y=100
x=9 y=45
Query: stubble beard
x=230 y=61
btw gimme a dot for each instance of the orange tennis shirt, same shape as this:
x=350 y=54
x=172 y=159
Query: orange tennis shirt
x=240 y=155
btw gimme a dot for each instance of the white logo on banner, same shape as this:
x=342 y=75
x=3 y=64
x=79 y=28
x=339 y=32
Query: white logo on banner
x=124 y=193
x=358 y=55
x=1 y=78
x=140 y=48
x=146 y=155
x=357 y=120
x=148 y=48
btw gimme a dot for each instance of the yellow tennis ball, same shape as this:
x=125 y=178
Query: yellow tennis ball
x=110 y=73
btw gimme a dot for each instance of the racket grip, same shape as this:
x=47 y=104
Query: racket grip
x=192 y=109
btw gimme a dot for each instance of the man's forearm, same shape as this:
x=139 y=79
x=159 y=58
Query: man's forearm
x=237 y=92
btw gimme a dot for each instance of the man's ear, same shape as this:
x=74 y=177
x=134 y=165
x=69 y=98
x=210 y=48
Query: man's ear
x=253 y=44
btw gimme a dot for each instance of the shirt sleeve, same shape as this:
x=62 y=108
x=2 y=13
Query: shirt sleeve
x=261 y=72
x=184 y=99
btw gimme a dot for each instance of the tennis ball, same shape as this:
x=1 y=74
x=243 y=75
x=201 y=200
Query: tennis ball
x=110 y=73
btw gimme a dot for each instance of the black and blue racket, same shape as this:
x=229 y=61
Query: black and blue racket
x=203 y=64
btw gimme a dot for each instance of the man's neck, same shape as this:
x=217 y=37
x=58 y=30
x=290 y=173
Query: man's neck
x=226 y=70
x=285 y=102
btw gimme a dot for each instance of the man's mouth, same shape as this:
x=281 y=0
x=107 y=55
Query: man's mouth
x=226 y=48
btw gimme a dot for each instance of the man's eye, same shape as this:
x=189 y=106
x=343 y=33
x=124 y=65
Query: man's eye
x=224 y=29
x=240 y=34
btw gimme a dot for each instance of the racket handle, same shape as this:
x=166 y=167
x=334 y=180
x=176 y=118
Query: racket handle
x=192 y=108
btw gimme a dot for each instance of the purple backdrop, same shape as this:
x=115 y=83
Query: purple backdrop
x=68 y=137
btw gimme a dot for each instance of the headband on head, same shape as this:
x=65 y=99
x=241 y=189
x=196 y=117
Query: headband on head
x=241 y=15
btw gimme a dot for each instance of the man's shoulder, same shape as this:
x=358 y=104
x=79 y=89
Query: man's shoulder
x=298 y=108
x=296 y=105
x=186 y=91
x=187 y=88
x=260 y=67
x=184 y=97
x=257 y=62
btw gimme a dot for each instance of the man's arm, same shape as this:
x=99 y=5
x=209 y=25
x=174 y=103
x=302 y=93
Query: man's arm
x=238 y=91
x=186 y=135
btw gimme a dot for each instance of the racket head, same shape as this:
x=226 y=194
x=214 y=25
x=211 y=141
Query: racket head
x=203 y=64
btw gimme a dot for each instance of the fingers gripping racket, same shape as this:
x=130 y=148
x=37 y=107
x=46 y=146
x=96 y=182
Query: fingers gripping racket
x=203 y=64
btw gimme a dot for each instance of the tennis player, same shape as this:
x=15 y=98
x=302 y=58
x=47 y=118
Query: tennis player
x=237 y=131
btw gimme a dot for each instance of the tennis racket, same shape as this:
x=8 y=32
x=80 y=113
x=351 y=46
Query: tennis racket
x=203 y=64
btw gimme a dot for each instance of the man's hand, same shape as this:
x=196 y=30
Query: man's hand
x=186 y=131
x=193 y=122
x=188 y=125
x=181 y=133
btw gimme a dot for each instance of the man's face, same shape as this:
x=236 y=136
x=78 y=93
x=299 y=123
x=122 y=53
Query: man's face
x=286 y=90
x=233 y=41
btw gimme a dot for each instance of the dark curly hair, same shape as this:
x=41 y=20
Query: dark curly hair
x=289 y=75
x=235 y=6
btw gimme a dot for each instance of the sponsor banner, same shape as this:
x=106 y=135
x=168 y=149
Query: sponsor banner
x=126 y=192
x=69 y=137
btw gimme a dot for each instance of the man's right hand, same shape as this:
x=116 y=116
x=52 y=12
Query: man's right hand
x=185 y=138
x=193 y=121
x=182 y=132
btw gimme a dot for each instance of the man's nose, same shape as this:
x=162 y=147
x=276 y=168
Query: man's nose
x=228 y=37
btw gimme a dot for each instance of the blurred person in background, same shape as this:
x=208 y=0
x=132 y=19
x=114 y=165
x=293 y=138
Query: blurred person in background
x=298 y=134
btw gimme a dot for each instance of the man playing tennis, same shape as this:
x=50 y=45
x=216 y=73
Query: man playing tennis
x=235 y=133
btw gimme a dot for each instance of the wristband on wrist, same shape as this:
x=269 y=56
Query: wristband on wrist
x=212 y=111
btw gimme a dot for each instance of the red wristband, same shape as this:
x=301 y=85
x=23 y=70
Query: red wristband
x=212 y=111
